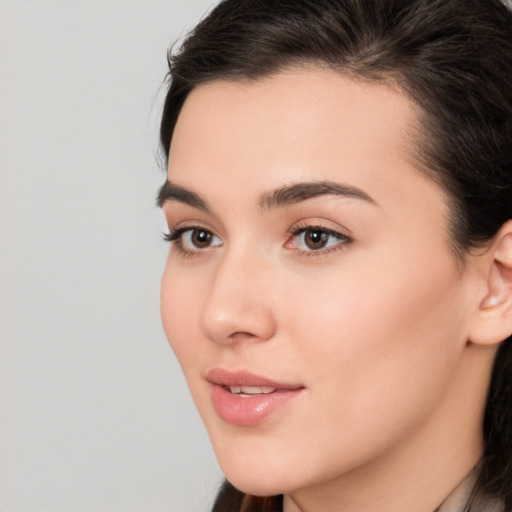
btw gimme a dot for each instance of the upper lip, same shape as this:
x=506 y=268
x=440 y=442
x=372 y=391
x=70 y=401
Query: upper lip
x=227 y=378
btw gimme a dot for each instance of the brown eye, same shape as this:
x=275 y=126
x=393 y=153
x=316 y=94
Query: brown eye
x=201 y=238
x=196 y=239
x=315 y=239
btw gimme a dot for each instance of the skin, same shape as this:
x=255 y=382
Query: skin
x=374 y=326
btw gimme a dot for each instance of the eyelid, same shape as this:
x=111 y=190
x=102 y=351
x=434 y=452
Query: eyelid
x=177 y=228
x=321 y=224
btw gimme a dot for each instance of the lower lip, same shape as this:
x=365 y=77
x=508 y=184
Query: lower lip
x=249 y=410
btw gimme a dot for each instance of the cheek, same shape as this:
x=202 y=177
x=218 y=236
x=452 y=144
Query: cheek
x=179 y=301
x=378 y=339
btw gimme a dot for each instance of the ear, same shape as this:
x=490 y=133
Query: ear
x=492 y=322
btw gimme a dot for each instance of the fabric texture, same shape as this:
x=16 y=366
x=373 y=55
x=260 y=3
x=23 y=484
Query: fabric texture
x=465 y=498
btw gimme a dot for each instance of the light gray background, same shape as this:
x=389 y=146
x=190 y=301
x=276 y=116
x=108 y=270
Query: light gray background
x=95 y=415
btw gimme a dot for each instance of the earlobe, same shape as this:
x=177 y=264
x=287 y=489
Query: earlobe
x=493 y=321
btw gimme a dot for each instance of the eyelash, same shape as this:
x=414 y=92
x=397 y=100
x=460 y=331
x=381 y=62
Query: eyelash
x=176 y=237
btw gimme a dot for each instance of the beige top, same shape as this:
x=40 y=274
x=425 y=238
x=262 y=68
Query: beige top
x=464 y=499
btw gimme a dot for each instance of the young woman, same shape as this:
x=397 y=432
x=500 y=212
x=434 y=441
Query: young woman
x=339 y=283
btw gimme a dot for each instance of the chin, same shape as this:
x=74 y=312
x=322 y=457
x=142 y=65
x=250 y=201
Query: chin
x=257 y=486
x=260 y=475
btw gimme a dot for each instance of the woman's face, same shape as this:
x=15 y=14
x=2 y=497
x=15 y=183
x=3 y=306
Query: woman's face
x=310 y=293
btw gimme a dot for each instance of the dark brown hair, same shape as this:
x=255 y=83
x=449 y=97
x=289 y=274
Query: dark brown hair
x=453 y=58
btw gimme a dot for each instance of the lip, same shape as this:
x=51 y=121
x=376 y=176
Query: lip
x=244 y=410
x=223 y=377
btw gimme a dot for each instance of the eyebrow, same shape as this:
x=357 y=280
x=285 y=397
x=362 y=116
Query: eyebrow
x=298 y=192
x=280 y=197
x=171 y=192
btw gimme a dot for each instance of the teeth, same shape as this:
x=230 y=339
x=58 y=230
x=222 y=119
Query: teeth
x=251 y=390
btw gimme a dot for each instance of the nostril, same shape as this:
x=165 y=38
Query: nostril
x=242 y=335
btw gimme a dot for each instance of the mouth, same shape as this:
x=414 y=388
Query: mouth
x=245 y=399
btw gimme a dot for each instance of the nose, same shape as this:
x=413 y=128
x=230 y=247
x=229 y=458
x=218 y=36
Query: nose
x=238 y=301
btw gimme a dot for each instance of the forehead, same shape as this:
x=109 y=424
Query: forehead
x=291 y=114
x=297 y=125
